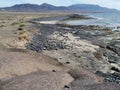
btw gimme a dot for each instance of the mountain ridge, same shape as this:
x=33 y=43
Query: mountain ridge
x=48 y=7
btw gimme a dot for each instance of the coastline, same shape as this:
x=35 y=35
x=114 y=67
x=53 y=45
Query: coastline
x=98 y=36
x=74 y=54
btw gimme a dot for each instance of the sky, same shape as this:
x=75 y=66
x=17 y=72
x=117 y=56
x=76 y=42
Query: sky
x=105 y=3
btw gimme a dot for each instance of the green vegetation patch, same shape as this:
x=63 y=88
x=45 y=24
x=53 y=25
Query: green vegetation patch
x=22 y=25
x=15 y=23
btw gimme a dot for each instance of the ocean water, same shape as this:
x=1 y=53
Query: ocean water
x=107 y=19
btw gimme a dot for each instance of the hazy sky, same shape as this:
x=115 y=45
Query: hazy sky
x=105 y=3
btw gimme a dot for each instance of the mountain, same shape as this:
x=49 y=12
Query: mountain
x=48 y=7
x=90 y=8
x=22 y=8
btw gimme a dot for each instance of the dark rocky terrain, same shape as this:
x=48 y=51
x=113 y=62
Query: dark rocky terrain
x=57 y=39
x=80 y=80
x=37 y=56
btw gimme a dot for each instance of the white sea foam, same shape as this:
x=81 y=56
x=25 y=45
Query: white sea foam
x=48 y=22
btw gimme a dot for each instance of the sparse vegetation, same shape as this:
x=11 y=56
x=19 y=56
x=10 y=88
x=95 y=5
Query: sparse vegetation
x=22 y=25
x=60 y=43
x=20 y=28
x=2 y=25
x=2 y=22
x=22 y=36
x=14 y=23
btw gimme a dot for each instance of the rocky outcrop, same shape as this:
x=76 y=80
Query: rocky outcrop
x=84 y=47
x=16 y=62
x=67 y=58
x=85 y=80
x=73 y=80
x=38 y=81
x=114 y=46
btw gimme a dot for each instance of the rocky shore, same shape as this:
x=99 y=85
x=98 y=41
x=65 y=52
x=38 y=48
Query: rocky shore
x=81 y=47
x=45 y=56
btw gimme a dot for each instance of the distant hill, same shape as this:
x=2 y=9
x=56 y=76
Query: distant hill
x=90 y=8
x=48 y=7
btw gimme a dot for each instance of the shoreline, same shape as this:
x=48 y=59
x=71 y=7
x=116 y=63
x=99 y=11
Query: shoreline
x=95 y=34
x=29 y=48
x=73 y=18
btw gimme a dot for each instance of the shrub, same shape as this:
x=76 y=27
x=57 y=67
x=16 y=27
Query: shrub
x=22 y=25
x=23 y=36
x=20 y=28
x=15 y=23
x=1 y=25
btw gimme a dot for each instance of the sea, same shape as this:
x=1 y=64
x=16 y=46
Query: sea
x=111 y=20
